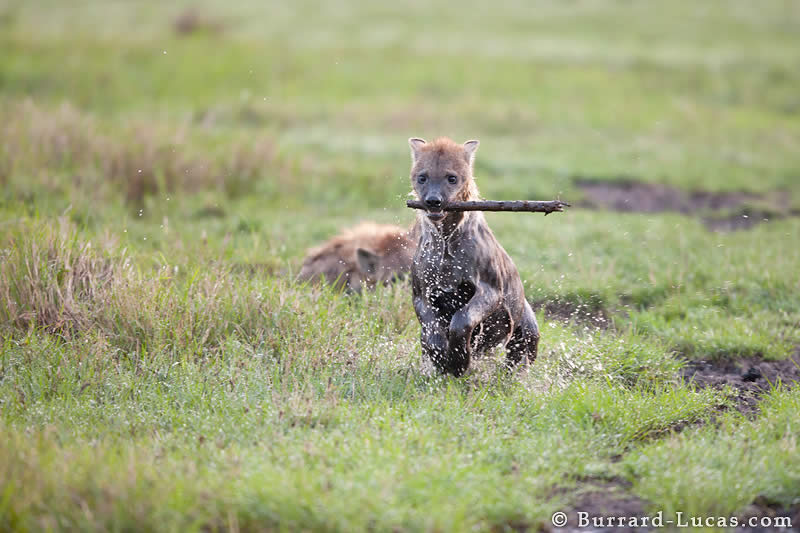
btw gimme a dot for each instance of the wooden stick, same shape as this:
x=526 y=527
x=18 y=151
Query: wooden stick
x=529 y=206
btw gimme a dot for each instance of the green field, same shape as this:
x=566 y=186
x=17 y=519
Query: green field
x=163 y=169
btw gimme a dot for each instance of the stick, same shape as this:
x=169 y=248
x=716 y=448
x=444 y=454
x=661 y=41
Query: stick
x=529 y=206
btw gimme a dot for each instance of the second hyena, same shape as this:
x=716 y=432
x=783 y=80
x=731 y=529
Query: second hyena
x=467 y=293
x=366 y=255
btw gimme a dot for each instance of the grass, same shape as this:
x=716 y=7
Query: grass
x=161 y=180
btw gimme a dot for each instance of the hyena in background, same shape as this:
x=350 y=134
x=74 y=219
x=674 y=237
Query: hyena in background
x=467 y=293
x=363 y=256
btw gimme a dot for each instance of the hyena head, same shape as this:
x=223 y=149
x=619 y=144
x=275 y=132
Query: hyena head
x=361 y=257
x=390 y=262
x=441 y=172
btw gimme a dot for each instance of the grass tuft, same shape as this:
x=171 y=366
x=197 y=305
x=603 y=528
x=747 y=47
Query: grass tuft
x=64 y=145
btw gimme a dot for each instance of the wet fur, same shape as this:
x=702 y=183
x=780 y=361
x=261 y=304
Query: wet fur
x=363 y=256
x=467 y=293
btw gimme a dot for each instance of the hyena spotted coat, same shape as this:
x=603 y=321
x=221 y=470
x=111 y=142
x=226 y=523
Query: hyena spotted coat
x=467 y=293
x=366 y=255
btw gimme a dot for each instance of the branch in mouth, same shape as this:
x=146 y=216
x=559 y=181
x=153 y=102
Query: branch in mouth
x=529 y=206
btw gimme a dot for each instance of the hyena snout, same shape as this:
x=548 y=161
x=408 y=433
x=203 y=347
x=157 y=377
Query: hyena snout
x=433 y=201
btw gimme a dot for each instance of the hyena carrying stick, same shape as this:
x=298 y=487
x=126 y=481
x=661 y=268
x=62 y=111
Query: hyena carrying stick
x=467 y=293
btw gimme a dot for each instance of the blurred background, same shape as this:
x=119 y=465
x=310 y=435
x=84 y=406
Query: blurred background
x=310 y=103
x=232 y=123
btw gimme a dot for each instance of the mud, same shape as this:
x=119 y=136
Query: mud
x=191 y=20
x=762 y=508
x=750 y=377
x=604 y=499
x=627 y=195
x=611 y=498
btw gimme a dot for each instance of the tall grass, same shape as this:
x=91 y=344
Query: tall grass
x=64 y=146
x=53 y=279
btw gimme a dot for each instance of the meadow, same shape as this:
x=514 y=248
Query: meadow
x=164 y=167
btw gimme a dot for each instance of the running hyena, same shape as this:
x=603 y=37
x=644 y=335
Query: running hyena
x=467 y=293
x=363 y=256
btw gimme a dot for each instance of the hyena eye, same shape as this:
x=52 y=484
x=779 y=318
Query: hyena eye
x=452 y=179
x=422 y=178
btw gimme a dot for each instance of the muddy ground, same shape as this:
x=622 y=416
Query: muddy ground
x=762 y=508
x=608 y=498
x=749 y=377
x=719 y=211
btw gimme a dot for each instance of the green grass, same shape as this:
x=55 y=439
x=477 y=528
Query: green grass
x=160 y=370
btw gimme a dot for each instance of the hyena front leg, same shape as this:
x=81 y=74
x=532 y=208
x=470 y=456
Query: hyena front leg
x=524 y=343
x=464 y=321
x=434 y=344
x=433 y=336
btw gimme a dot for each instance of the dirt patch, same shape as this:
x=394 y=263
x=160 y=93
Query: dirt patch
x=588 y=314
x=768 y=514
x=191 y=20
x=750 y=377
x=630 y=196
x=604 y=502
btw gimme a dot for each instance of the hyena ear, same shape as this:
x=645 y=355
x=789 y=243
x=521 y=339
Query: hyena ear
x=415 y=143
x=470 y=147
x=367 y=261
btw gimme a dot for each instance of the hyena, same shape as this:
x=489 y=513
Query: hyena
x=364 y=256
x=467 y=293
